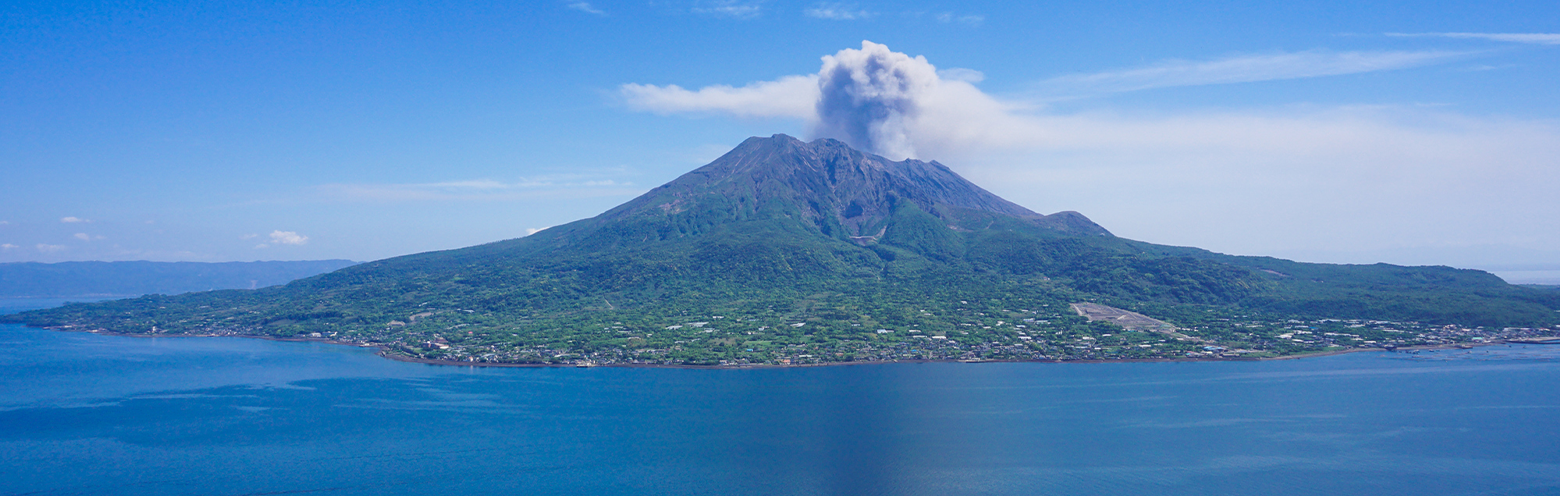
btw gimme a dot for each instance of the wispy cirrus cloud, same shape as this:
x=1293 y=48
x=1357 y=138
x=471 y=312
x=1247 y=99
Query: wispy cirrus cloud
x=1243 y=69
x=965 y=19
x=1533 y=38
x=731 y=9
x=837 y=12
x=586 y=7
x=74 y=220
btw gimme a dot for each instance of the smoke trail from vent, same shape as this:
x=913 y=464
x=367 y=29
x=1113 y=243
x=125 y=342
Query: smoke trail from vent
x=875 y=99
x=871 y=97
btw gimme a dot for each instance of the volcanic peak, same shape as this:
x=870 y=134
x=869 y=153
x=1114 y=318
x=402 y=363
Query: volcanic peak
x=829 y=183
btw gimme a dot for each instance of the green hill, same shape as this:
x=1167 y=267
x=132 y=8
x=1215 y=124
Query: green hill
x=789 y=252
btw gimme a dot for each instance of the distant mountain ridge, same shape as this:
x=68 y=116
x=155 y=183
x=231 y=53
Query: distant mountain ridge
x=99 y=279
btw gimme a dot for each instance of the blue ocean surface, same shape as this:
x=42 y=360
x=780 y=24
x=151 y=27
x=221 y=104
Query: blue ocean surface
x=90 y=414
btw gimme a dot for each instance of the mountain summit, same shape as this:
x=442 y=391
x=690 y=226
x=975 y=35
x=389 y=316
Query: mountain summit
x=784 y=251
x=838 y=187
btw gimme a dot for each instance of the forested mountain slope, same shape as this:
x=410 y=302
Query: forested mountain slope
x=782 y=249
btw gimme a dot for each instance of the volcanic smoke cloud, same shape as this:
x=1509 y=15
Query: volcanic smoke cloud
x=874 y=99
x=868 y=97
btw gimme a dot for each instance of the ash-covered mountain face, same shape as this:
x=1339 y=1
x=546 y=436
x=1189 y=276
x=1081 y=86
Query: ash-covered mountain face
x=840 y=190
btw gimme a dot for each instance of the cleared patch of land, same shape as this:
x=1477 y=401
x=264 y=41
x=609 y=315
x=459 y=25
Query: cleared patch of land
x=1127 y=319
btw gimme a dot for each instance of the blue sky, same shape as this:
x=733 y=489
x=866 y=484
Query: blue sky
x=1415 y=133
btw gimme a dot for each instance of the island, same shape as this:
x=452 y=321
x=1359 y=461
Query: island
x=789 y=253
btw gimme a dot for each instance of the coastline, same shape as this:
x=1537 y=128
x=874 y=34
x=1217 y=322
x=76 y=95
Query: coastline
x=384 y=352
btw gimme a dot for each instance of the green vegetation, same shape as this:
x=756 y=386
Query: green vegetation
x=754 y=266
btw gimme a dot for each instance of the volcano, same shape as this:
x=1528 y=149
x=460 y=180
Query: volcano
x=784 y=251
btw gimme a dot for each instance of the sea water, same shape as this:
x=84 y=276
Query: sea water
x=89 y=414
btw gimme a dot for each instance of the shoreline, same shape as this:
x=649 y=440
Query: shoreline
x=383 y=352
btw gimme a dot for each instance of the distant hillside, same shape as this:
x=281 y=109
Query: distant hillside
x=77 y=279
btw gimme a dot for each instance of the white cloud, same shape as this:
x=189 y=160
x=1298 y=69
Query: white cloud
x=837 y=12
x=586 y=8
x=8 y=246
x=733 y=9
x=898 y=105
x=288 y=238
x=5 y=223
x=1242 y=69
x=249 y=236
x=1533 y=38
x=46 y=248
x=870 y=98
x=961 y=74
x=968 y=19
x=83 y=236
x=1248 y=181
x=74 y=220
x=1257 y=182
x=534 y=230
x=790 y=96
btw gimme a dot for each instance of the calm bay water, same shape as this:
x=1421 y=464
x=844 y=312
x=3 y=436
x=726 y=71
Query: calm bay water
x=88 y=414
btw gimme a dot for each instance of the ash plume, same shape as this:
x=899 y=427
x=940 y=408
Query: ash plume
x=870 y=98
